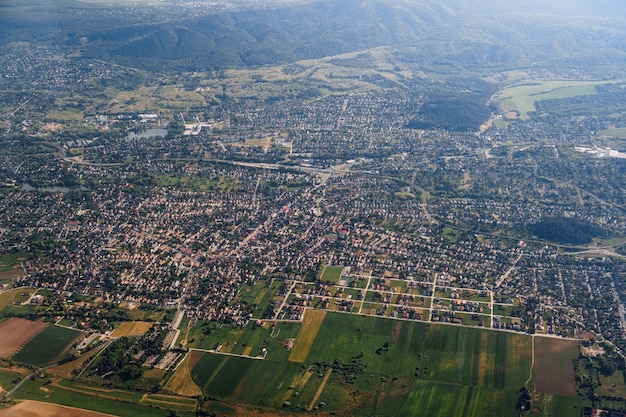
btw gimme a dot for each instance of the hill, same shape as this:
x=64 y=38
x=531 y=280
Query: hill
x=451 y=37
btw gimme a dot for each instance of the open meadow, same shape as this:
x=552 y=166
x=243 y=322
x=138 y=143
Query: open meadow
x=522 y=99
x=132 y=328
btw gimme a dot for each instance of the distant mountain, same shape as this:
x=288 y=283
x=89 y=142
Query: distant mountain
x=484 y=35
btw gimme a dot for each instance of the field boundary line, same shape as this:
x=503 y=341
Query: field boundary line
x=318 y=393
x=532 y=362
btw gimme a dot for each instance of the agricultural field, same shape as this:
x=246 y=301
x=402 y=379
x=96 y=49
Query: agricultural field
x=522 y=99
x=246 y=380
x=35 y=390
x=406 y=367
x=437 y=399
x=15 y=332
x=132 y=328
x=311 y=325
x=554 y=368
x=47 y=346
x=489 y=359
x=172 y=402
x=181 y=382
x=40 y=409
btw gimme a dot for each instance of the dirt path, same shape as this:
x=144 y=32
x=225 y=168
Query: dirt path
x=532 y=364
x=320 y=389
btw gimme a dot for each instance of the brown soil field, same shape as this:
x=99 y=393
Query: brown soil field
x=132 y=328
x=554 y=367
x=15 y=332
x=38 y=409
x=311 y=325
x=181 y=382
x=12 y=273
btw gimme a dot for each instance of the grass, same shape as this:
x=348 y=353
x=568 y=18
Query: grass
x=100 y=392
x=613 y=385
x=47 y=346
x=33 y=390
x=466 y=356
x=7 y=377
x=132 y=328
x=413 y=368
x=163 y=99
x=311 y=325
x=437 y=399
x=263 y=382
x=65 y=370
x=170 y=401
x=17 y=295
x=548 y=405
x=614 y=133
x=344 y=336
x=523 y=98
x=331 y=274
x=9 y=262
x=182 y=383
x=148 y=314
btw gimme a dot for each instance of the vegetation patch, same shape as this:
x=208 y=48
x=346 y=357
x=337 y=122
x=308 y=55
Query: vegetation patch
x=437 y=399
x=32 y=390
x=67 y=369
x=132 y=328
x=462 y=355
x=331 y=274
x=614 y=133
x=172 y=402
x=567 y=230
x=16 y=297
x=47 y=346
x=522 y=99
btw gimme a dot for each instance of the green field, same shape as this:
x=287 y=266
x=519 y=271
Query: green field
x=466 y=356
x=331 y=274
x=484 y=369
x=436 y=399
x=523 y=98
x=47 y=346
x=8 y=262
x=614 y=133
x=246 y=380
x=7 y=377
x=33 y=390
x=11 y=301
